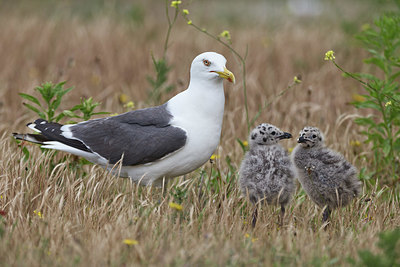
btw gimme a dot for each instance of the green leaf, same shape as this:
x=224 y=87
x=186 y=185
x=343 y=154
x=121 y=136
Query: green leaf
x=367 y=76
x=101 y=113
x=59 y=117
x=26 y=153
x=364 y=174
x=244 y=148
x=377 y=62
x=365 y=121
x=394 y=76
x=56 y=103
x=65 y=91
x=76 y=107
x=47 y=91
x=386 y=147
x=368 y=104
x=37 y=111
x=30 y=98
x=70 y=114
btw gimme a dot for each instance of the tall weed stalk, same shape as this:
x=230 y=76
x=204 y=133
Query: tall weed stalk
x=382 y=95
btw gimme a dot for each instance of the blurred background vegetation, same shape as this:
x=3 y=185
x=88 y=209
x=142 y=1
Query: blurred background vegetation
x=106 y=50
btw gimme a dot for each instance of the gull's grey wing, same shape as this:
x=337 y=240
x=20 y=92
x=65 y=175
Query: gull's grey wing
x=140 y=136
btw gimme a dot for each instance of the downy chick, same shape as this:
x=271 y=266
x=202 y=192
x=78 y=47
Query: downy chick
x=325 y=175
x=266 y=172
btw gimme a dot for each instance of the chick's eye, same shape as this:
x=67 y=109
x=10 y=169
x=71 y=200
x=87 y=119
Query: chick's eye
x=314 y=136
x=206 y=62
x=273 y=133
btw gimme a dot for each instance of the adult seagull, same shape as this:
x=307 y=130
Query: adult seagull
x=163 y=141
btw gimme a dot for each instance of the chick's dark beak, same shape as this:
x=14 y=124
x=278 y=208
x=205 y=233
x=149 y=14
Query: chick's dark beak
x=285 y=136
x=301 y=140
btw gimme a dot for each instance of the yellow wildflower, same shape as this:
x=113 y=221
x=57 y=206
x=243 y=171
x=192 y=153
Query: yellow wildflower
x=214 y=157
x=329 y=55
x=225 y=34
x=296 y=79
x=245 y=143
x=389 y=103
x=38 y=213
x=95 y=79
x=175 y=3
x=130 y=105
x=175 y=206
x=365 y=27
x=189 y=22
x=355 y=143
x=254 y=240
x=123 y=98
x=358 y=98
x=185 y=12
x=290 y=149
x=130 y=242
x=246 y=235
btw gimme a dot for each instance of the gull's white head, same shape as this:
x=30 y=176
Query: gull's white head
x=210 y=66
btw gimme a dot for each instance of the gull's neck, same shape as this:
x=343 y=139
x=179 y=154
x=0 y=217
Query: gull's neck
x=202 y=97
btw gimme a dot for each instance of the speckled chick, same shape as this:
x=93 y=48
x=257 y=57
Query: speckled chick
x=325 y=175
x=266 y=172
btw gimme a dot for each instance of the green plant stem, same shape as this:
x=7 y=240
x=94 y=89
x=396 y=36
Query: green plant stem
x=386 y=123
x=362 y=82
x=267 y=104
x=170 y=25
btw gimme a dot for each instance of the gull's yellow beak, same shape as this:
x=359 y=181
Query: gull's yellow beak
x=226 y=74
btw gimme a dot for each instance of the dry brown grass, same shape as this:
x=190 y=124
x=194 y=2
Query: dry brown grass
x=86 y=218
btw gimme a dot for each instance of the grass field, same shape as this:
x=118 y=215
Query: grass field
x=61 y=215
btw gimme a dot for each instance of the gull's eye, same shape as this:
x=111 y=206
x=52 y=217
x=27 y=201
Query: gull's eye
x=206 y=62
x=314 y=136
x=273 y=133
